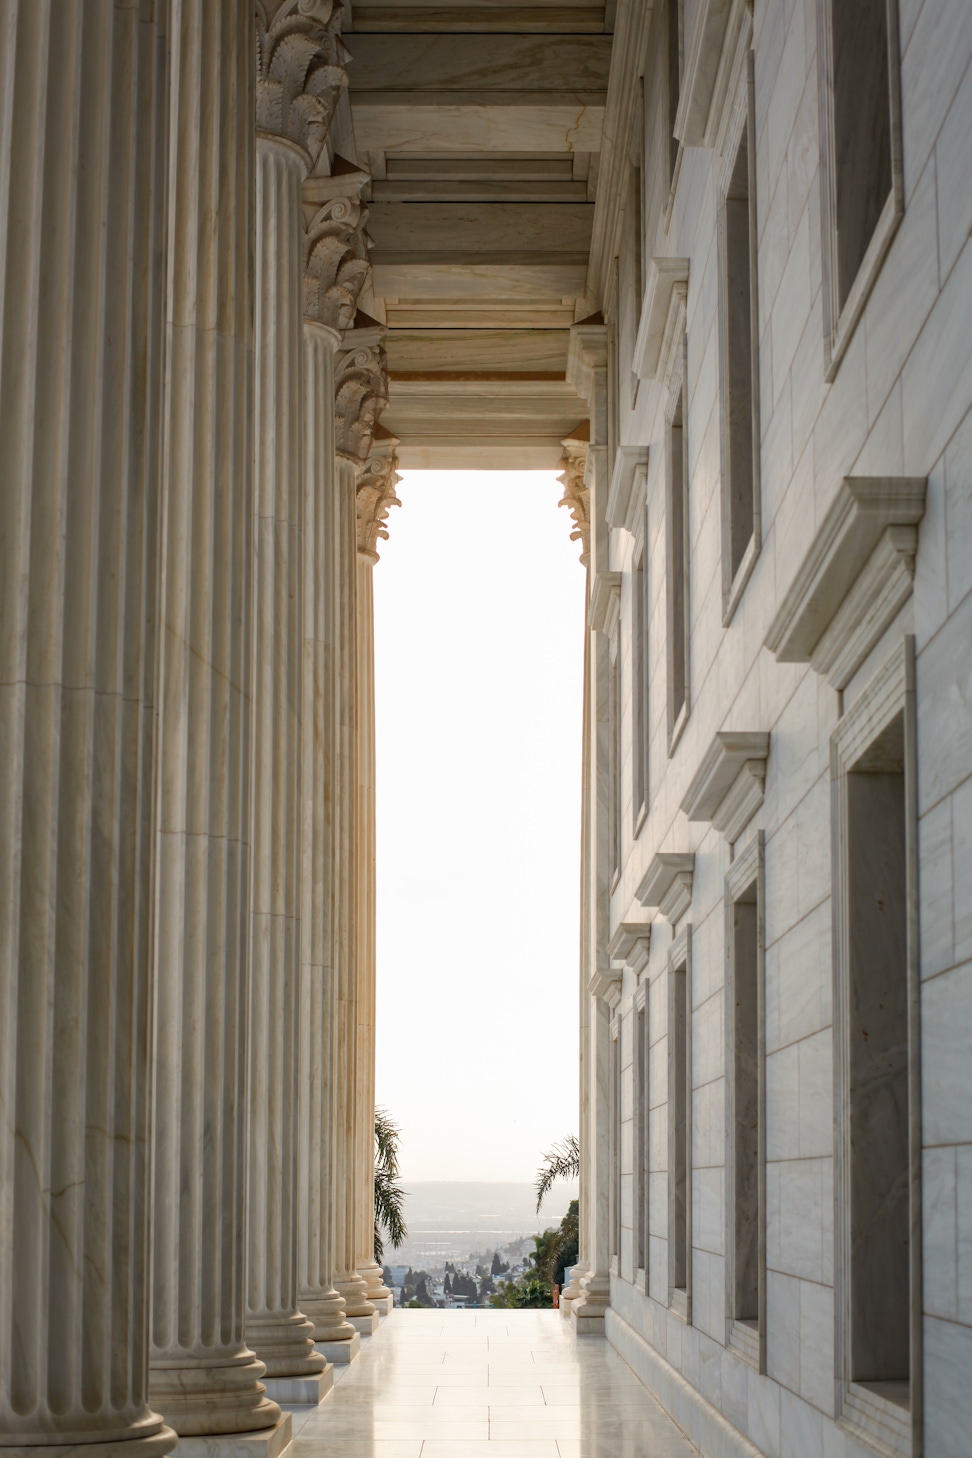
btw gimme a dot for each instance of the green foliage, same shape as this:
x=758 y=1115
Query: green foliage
x=552 y=1251
x=389 y=1195
x=562 y=1162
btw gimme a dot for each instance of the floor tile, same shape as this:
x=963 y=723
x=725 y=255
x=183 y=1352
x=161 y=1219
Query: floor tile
x=486 y=1385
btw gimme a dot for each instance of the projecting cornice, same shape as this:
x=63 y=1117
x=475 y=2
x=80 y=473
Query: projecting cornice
x=605 y=602
x=727 y=789
x=606 y=984
x=630 y=466
x=300 y=70
x=375 y=492
x=715 y=57
x=360 y=388
x=662 y=317
x=855 y=578
x=667 y=884
x=631 y=944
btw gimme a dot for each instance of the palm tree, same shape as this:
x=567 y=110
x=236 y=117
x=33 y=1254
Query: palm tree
x=389 y=1195
x=560 y=1163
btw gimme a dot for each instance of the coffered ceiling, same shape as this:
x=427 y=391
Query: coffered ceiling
x=480 y=124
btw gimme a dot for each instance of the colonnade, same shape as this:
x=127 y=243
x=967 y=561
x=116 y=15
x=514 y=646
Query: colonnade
x=192 y=483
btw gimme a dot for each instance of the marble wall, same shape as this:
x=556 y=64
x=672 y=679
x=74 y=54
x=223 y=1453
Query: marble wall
x=897 y=404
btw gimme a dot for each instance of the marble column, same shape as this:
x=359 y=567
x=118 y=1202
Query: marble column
x=576 y=498
x=374 y=497
x=203 y=1375
x=335 y=269
x=360 y=393
x=278 y=1330
x=589 y=374
x=82 y=155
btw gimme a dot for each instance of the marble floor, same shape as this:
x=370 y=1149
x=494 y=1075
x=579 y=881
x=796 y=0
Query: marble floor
x=486 y=1384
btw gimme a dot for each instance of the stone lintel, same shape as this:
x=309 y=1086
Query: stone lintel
x=622 y=497
x=630 y=944
x=667 y=884
x=727 y=788
x=605 y=601
x=834 y=569
x=667 y=284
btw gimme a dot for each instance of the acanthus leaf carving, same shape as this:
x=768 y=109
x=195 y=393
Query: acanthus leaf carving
x=301 y=69
x=360 y=388
x=577 y=496
x=375 y=493
x=336 y=248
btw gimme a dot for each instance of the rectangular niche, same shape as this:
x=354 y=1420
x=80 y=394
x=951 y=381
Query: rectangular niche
x=640 y=679
x=677 y=542
x=640 y=1141
x=876 y=1002
x=861 y=173
x=739 y=350
x=615 y=753
x=680 y=1125
x=746 y=1105
x=615 y=1143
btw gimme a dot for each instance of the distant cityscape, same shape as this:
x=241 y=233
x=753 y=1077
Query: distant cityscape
x=465 y=1239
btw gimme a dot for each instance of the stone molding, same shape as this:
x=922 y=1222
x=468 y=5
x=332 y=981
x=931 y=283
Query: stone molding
x=605 y=606
x=667 y=884
x=375 y=492
x=336 y=246
x=606 y=984
x=360 y=388
x=630 y=466
x=714 y=60
x=630 y=945
x=587 y=353
x=727 y=788
x=577 y=495
x=662 y=317
x=300 y=70
x=855 y=577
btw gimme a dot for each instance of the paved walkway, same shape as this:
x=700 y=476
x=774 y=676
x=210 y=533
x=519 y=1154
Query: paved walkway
x=486 y=1384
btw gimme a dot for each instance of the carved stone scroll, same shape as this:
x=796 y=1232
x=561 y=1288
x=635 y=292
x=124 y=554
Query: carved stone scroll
x=301 y=62
x=577 y=496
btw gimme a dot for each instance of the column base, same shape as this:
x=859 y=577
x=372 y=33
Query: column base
x=199 y=1400
x=265 y=1443
x=355 y=1294
x=152 y=1446
x=366 y=1325
x=584 y=1322
x=284 y=1343
x=298 y=1390
x=383 y=1304
x=339 y=1353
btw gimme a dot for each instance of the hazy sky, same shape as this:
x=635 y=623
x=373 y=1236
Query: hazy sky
x=479 y=672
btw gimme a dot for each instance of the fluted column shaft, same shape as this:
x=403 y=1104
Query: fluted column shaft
x=278 y=1331
x=81 y=287
x=343 y=922
x=204 y=1377
x=366 y=1265
x=321 y=735
x=573 y=1290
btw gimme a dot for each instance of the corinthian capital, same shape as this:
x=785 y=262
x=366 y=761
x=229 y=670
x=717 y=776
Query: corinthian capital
x=577 y=497
x=300 y=69
x=335 y=246
x=360 y=388
x=375 y=494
